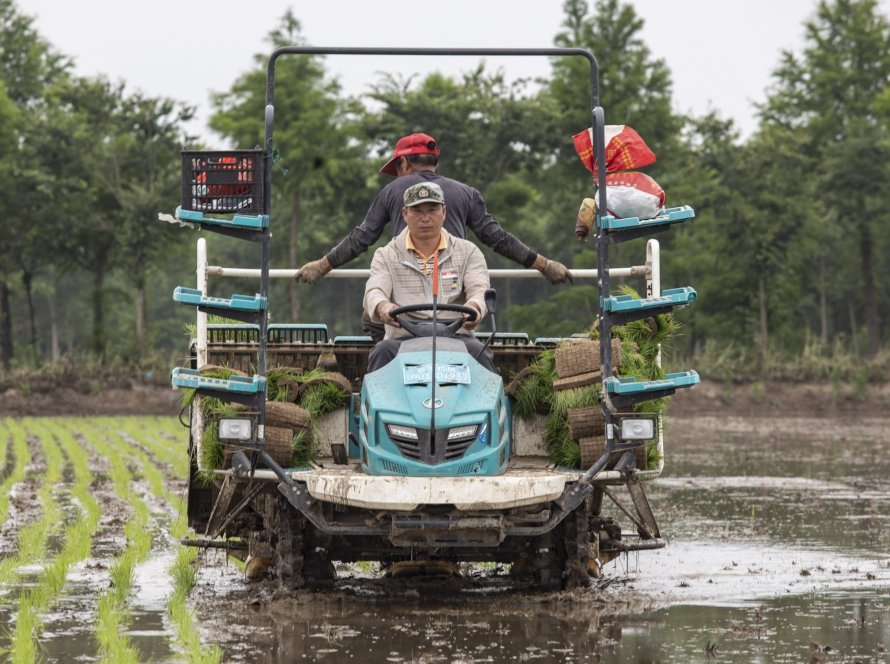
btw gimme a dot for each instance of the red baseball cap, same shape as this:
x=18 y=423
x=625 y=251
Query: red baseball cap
x=413 y=144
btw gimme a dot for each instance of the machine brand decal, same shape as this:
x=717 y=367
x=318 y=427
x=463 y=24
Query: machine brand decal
x=427 y=403
x=445 y=373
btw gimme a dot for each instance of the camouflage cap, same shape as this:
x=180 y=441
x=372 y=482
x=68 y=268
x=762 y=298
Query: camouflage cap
x=423 y=192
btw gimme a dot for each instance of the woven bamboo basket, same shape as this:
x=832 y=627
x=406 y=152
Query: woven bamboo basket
x=583 y=357
x=586 y=422
x=279 y=441
x=576 y=358
x=287 y=415
x=299 y=389
x=593 y=447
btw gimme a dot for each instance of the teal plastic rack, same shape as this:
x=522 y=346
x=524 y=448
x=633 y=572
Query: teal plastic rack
x=505 y=338
x=243 y=222
x=632 y=386
x=665 y=217
x=673 y=297
x=305 y=333
x=236 y=385
x=237 y=302
x=350 y=339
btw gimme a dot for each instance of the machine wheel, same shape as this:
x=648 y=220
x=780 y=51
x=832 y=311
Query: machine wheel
x=576 y=541
x=289 y=528
x=563 y=554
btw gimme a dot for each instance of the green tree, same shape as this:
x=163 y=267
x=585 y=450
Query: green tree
x=86 y=110
x=28 y=67
x=835 y=93
x=634 y=89
x=325 y=183
x=138 y=165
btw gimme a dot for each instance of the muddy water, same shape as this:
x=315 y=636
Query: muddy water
x=778 y=552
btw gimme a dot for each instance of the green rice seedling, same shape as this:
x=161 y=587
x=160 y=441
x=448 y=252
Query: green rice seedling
x=323 y=398
x=533 y=393
x=579 y=397
x=277 y=392
x=182 y=570
x=5 y=437
x=16 y=473
x=76 y=546
x=212 y=452
x=566 y=453
x=564 y=450
x=653 y=456
x=27 y=622
x=33 y=536
x=187 y=635
x=155 y=434
x=556 y=431
x=304 y=451
x=113 y=643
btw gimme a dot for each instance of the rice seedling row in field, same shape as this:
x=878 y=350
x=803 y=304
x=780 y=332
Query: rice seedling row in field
x=33 y=536
x=114 y=645
x=76 y=547
x=128 y=449
x=182 y=570
x=16 y=472
x=4 y=449
x=161 y=436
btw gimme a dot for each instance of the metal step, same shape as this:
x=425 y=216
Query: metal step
x=244 y=226
x=665 y=217
x=627 y=308
x=240 y=389
x=626 y=391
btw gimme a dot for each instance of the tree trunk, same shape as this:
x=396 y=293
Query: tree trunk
x=98 y=313
x=293 y=225
x=27 y=279
x=854 y=333
x=55 y=353
x=764 y=331
x=140 y=309
x=823 y=307
x=868 y=287
x=6 y=347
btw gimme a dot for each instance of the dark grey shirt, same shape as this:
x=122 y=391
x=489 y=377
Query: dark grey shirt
x=465 y=209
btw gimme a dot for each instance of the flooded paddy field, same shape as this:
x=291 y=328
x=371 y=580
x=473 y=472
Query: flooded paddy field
x=778 y=550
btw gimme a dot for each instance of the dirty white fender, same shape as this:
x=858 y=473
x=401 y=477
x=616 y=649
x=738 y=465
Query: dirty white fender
x=515 y=489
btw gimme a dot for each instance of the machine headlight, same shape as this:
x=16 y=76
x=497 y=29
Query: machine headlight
x=637 y=428
x=401 y=432
x=467 y=432
x=235 y=429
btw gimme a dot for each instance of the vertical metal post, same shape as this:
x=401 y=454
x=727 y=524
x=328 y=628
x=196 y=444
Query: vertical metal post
x=604 y=281
x=653 y=289
x=264 y=268
x=201 y=273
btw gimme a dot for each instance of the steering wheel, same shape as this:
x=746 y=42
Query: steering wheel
x=425 y=328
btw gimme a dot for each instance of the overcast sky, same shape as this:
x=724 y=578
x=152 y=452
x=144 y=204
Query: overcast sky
x=720 y=53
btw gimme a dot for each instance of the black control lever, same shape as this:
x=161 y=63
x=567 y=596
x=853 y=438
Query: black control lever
x=491 y=297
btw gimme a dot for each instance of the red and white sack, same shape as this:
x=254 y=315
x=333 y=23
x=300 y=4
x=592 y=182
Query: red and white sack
x=625 y=150
x=633 y=195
